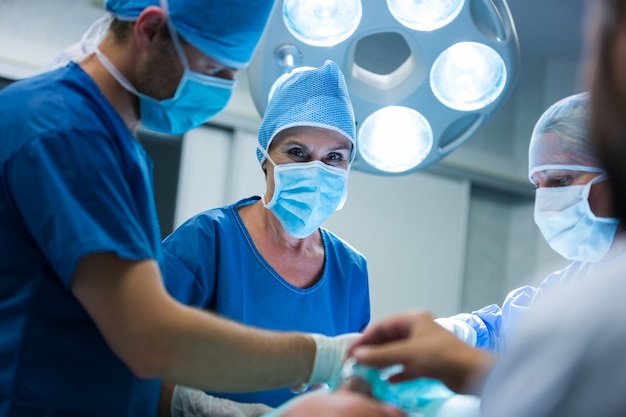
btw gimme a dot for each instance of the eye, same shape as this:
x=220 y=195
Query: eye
x=335 y=157
x=296 y=153
x=225 y=73
x=561 y=181
x=219 y=71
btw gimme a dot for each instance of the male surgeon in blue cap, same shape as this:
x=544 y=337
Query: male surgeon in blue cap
x=87 y=327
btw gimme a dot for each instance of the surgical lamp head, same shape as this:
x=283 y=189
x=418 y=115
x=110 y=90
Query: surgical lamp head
x=423 y=75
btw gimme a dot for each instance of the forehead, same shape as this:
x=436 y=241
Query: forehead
x=312 y=136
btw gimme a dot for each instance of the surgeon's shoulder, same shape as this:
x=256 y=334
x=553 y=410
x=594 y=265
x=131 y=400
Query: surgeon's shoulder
x=342 y=248
x=206 y=225
x=54 y=101
x=338 y=241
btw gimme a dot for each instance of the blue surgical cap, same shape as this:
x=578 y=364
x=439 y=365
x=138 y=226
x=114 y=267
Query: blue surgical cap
x=225 y=30
x=317 y=97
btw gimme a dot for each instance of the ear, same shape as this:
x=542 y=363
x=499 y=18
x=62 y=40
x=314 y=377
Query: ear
x=149 y=23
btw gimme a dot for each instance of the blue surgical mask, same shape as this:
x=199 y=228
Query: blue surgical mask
x=198 y=97
x=306 y=194
x=567 y=223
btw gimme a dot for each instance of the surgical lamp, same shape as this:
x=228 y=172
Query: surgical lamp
x=423 y=75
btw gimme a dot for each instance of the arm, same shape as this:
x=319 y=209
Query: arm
x=567 y=358
x=160 y=338
x=490 y=327
x=425 y=349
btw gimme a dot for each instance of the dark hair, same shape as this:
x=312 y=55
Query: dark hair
x=121 y=29
x=608 y=104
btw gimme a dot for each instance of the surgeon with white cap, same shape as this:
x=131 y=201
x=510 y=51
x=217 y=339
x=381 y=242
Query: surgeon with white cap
x=267 y=261
x=561 y=348
x=87 y=326
x=573 y=211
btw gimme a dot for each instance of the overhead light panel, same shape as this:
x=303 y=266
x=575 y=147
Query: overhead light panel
x=423 y=75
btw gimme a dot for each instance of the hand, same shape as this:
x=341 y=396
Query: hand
x=340 y=403
x=424 y=348
x=189 y=402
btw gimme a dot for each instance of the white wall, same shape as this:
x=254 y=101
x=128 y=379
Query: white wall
x=412 y=231
x=204 y=164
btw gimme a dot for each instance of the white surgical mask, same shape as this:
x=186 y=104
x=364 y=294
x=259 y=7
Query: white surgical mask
x=566 y=221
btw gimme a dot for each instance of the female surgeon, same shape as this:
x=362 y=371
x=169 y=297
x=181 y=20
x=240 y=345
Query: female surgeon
x=266 y=261
x=573 y=210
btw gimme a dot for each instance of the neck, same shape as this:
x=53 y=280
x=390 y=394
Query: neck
x=125 y=103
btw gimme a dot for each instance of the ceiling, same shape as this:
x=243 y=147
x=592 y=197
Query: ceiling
x=549 y=28
x=546 y=28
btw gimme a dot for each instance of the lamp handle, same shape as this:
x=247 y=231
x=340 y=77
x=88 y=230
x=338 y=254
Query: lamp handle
x=499 y=13
x=461 y=139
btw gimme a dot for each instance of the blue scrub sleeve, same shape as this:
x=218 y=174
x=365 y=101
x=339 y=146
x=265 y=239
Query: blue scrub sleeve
x=74 y=204
x=494 y=324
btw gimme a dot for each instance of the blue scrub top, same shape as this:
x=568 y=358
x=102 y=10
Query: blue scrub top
x=211 y=262
x=73 y=181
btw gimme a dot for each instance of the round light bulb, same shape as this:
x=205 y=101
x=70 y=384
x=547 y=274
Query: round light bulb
x=322 y=22
x=395 y=139
x=424 y=15
x=468 y=76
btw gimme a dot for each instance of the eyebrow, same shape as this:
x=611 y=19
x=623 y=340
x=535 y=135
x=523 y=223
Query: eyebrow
x=289 y=141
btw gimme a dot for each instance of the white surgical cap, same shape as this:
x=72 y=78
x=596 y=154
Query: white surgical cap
x=568 y=122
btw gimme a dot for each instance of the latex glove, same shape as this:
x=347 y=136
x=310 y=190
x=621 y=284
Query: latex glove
x=330 y=353
x=189 y=402
x=459 y=328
